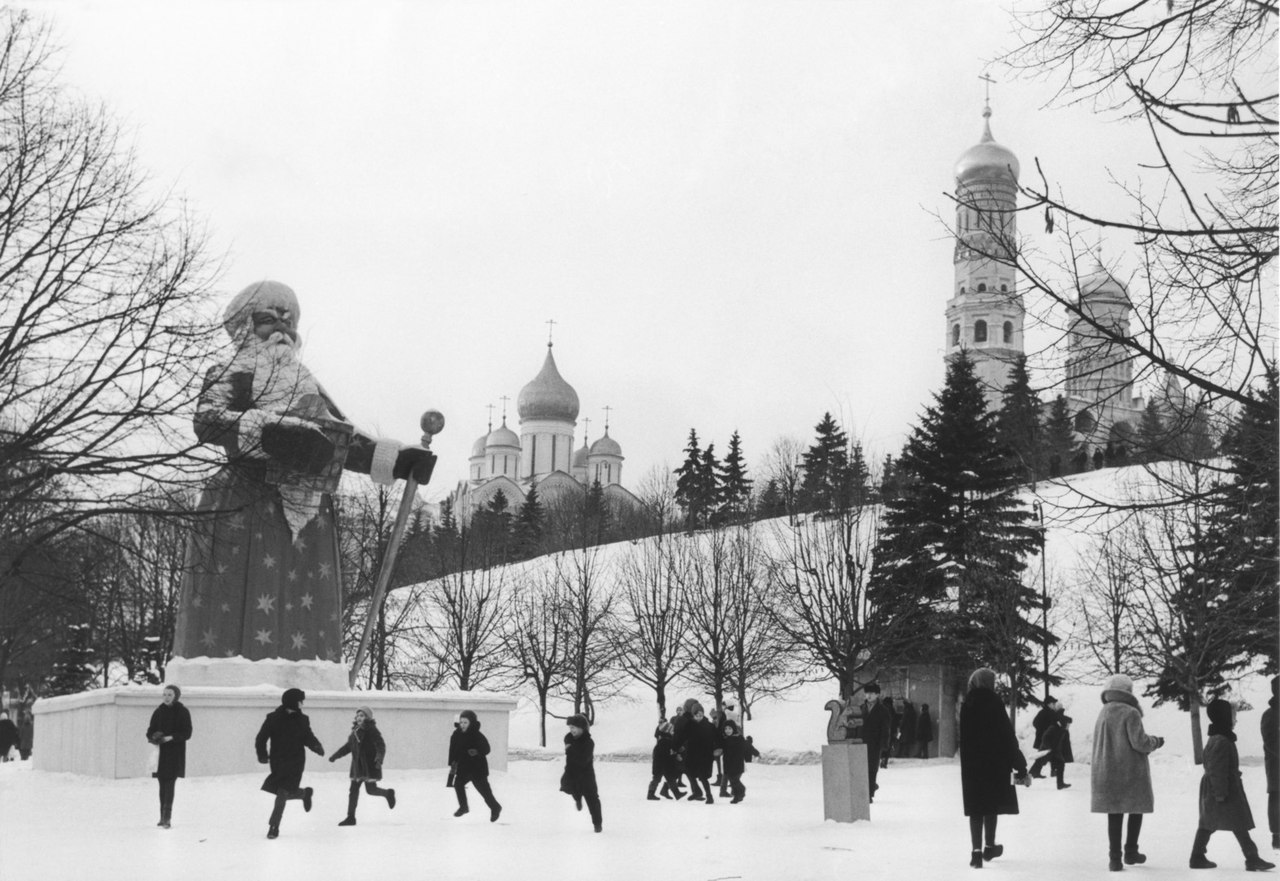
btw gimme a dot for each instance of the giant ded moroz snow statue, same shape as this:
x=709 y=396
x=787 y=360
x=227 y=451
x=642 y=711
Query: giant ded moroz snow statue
x=261 y=597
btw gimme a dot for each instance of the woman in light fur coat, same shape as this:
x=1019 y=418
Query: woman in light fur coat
x=1121 y=773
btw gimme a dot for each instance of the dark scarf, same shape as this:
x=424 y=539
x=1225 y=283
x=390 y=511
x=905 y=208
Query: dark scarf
x=1216 y=729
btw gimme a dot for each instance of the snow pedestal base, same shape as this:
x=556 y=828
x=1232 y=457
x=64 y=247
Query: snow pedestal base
x=102 y=733
x=844 y=782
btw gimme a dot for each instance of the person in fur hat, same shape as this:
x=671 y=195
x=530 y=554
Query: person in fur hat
x=367 y=749
x=1120 y=776
x=1223 y=804
x=467 y=751
x=579 y=777
x=282 y=742
x=989 y=754
x=170 y=729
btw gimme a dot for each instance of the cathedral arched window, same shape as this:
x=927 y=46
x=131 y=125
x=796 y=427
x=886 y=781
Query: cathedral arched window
x=1004 y=289
x=955 y=334
x=1085 y=422
x=979 y=331
x=982 y=286
x=962 y=289
x=1008 y=331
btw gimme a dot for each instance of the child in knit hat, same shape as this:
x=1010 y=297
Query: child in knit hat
x=367 y=750
x=1223 y=804
x=579 y=778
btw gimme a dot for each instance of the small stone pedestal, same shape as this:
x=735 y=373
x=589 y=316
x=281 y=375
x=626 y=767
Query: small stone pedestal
x=844 y=782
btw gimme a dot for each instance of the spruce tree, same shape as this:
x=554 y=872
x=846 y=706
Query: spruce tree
x=826 y=483
x=1152 y=443
x=1058 y=448
x=953 y=544
x=529 y=525
x=859 y=477
x=689 y=493
x=770 y=503
x=72 y=670
x=1018 y=423
x=735 y=487
x=711 y=494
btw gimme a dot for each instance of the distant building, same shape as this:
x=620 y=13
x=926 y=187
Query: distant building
x=542 y=454
x=985 y=314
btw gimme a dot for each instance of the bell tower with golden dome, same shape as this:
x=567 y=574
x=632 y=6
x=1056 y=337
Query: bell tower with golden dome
x=985 y=313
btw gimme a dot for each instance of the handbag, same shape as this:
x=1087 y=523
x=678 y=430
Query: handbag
x=153 y=759
x=448 y=782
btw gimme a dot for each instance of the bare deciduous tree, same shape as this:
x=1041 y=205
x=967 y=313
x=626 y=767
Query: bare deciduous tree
x=651 y=620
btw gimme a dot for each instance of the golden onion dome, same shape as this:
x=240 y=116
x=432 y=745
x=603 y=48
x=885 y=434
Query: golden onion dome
x=987 y=157
x=548 y=396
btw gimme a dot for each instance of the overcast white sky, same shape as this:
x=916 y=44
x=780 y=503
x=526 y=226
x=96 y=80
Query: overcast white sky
x=727 y=207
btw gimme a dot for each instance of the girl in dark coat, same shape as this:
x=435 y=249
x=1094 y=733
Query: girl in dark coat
x=467 y=751
x=988 y=755
x=1223 y=804
x=282 y=742
x=367 y=749
x=735 y=759
x=170 y=729
x=924 y=731
x=579 y=777
x=666 y=764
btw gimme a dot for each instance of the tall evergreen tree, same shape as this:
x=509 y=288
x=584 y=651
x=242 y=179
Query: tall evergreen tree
x=953 y=545
x=735 y=487
x=1152 y=442
x=1058 y=448
x=73 y=669
x=1018 y=423
x=826 y=483
x=529 y=525
x=859 y=476
x=709 y=488
x=770 y=503
x=689 y=484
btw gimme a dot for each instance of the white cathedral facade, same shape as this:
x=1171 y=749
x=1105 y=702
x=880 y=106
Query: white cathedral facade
x=542 y=454
x=985 y=314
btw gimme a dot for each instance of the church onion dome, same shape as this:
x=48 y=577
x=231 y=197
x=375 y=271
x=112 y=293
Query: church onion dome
x=548 y=396
x=579 y=457
x=606 y=446
x=503 y=437
x=1099 y=285
x=477 y=448
x=986 y=157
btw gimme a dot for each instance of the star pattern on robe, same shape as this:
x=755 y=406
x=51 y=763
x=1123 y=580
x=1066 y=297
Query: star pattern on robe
x=300 y=543
x=226 y=607
x=266 y=603
x=288 y=607
x=263 y=637
x=299 y=640
x=258 y=536
x=268 y=561
x=197 y=601
x=307 y=600
x=230 y=653
x=326 y=570
x=208 y=640
x=236 y=521
x=293 y=574
x=222 y=568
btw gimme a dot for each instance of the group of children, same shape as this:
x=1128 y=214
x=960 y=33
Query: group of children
x=691 y=745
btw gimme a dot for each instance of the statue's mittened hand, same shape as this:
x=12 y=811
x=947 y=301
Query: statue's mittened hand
x=297 y=447
x=415 y=461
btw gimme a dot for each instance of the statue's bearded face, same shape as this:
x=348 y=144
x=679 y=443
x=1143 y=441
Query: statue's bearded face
x=275 y=324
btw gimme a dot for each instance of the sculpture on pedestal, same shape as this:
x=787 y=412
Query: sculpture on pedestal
x=845 y=722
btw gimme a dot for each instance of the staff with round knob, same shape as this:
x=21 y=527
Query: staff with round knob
x=432 y=423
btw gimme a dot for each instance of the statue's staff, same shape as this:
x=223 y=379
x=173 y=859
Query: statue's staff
x=432 y=423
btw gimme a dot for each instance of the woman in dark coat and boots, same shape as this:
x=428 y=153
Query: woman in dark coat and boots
x=367 y=749
x=282 y=742
x=579 y=777
x=467 y=751
x=170 y=729
x=989 y=754
x=1223 y=804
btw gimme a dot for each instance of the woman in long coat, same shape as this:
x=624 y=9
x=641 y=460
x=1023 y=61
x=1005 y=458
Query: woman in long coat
x=367 y=750
x=700 y=750
x=989 y=755
x=467 y=751
x=1120 y=775
x=170 y=729
x=1223 y=804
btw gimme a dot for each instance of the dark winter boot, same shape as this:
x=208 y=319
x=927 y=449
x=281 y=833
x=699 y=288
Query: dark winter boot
x=653 y=789
x=273 y=831
x=1257 y=864
x=460 y=811
x=1114 y=863
x=1132 y=857
x=975 y=860
x=165 y=815
x=991 y=851
x=495 y=812
x=349 y=821
x=391 y=799
x=1252 y=861
x=306 y=799
x=353 y=798
x=665 y=791
x=1198 y=848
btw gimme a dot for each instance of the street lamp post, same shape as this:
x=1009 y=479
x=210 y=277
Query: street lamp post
x=1044 y=593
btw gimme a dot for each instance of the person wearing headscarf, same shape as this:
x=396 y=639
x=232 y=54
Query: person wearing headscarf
x=1223 y=804
x=263 y=575
x=169 y=731
x=989 y=757
x=282 y=742
x=467 y=751
x=1120 y=776
x=367 y=750
x=579 y=777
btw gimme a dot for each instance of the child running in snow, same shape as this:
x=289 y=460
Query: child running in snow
x=1223 y=804
x=367 y=749
x=735 y=759
x=579 y=778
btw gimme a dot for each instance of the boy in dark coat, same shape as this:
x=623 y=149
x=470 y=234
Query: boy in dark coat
x=367 y=750
x=467 y=751
x=876 y=723
x=1047 y=716
x=666 y=764
x=989 y=754
x=170 y=729
x=282 y=742
x=1057 y=740
x=579 y=777
x=735 y=759
x=1223 y=804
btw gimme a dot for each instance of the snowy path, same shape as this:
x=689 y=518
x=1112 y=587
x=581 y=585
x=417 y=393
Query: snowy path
x=61 y=826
